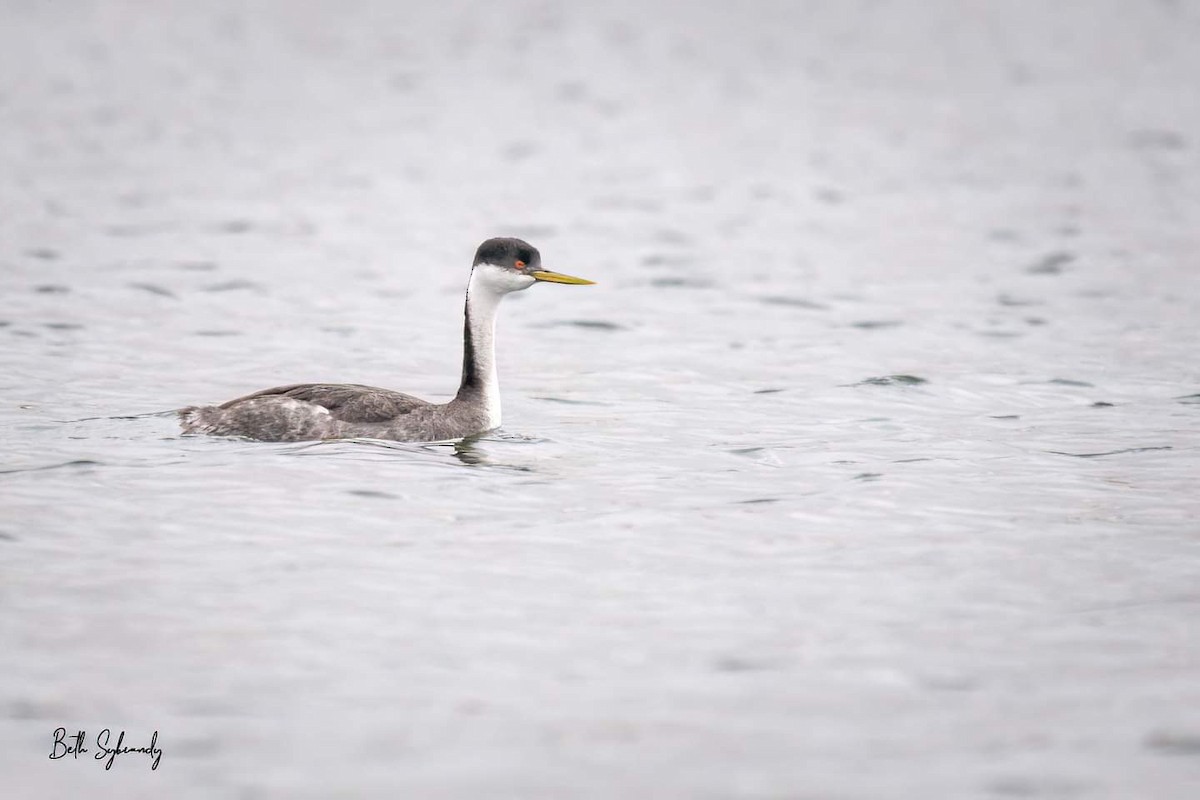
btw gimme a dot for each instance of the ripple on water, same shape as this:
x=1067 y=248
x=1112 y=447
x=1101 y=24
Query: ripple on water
x=568 y=401
x=79 y=462
x=134 y=230
x=234 y=226
x=742 y=664
x=1051 y=263
x=873 y=324
x=1112 y=452
x=792 y=302
x=892 y=380
x=1014 y=302
x=681 y=283
x=588 y=324
x=373 y=493
x=152 y=288
x=1156 y=139
x=236 y=285
x=667 y=260
x=1174 y=743
x=672 y=236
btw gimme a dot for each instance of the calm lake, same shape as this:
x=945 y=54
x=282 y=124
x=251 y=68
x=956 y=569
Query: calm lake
x=870 y=468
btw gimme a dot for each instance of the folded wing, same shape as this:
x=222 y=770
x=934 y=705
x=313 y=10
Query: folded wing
x=347 y=402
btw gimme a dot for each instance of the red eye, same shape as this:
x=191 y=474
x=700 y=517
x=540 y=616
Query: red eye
x=520 y=265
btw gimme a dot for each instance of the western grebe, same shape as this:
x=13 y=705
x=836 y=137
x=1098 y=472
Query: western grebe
x=307 y=411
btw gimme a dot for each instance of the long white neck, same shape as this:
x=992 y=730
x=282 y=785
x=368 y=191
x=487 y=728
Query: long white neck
x=480 y=383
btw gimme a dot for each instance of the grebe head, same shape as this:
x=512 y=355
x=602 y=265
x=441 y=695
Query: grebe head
x=509 y=265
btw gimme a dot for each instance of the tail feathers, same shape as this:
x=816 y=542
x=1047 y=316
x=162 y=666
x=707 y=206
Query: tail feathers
x=194 y=419
x=267 y=419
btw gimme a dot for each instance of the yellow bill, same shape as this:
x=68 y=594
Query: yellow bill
x=558 y=277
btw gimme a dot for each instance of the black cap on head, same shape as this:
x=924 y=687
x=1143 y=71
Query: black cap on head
x=506 y=252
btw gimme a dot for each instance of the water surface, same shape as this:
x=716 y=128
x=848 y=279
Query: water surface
x=868 y=469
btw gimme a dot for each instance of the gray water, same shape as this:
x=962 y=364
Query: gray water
x=867 y=470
